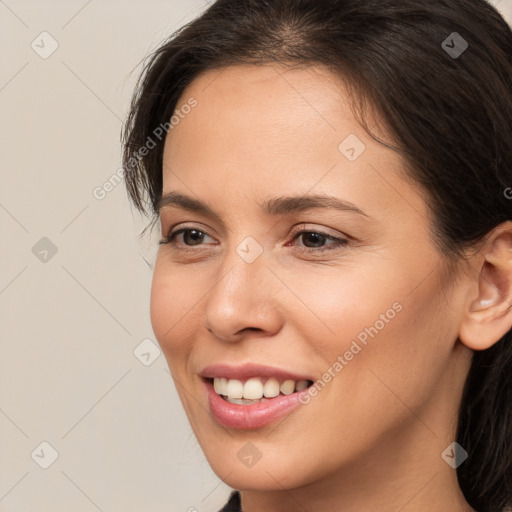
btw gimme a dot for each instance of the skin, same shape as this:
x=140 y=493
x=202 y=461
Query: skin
x=372 y=438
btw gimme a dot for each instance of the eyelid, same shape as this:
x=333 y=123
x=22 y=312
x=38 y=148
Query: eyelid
x=184 y=225
x=305 y=227
x=338 y=242
x=300 y=228
x=173 y=232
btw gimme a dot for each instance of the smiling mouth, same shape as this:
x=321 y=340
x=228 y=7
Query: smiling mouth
x=255 y=390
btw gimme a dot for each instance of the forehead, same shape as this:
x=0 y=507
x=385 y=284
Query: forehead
x=266 y=114
x=272 y=92
x=262 y=131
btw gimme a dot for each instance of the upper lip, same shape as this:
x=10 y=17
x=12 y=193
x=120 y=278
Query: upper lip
x=248 y=371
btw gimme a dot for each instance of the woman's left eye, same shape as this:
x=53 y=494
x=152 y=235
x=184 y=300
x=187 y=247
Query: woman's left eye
x=316 y=240
x=313 y=241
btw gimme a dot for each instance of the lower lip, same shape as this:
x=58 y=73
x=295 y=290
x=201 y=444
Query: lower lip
x=248 y=417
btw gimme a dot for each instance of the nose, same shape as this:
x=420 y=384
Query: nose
x=242 y=301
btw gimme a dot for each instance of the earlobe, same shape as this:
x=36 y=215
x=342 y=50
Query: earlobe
x=489 y=312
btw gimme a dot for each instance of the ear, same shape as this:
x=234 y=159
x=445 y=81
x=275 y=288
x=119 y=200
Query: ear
x=488 y=314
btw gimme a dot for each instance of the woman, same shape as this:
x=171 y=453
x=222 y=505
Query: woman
x=333 y=285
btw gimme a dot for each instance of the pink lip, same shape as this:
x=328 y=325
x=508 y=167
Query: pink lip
x=248 y=417
x=247 y=371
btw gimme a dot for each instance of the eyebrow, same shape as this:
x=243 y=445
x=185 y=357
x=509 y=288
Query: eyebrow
x=273 y=206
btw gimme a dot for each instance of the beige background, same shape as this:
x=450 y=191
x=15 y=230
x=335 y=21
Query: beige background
x=71 y=321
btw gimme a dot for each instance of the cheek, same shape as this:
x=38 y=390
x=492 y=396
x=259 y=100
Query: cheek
x=376 y=336
x=398 y=364
x=172 y=308
x=334 y=307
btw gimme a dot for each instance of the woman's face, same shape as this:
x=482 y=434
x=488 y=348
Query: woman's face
x=357 y=303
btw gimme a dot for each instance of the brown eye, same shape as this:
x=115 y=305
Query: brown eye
x=191 y=237
x=314 y=241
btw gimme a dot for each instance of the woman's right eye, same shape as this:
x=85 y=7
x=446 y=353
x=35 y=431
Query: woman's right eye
x=191 y=237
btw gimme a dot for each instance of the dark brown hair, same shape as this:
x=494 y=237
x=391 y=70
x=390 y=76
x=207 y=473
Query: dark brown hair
x=450 y=117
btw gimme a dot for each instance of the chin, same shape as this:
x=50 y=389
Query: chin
x=274 y=471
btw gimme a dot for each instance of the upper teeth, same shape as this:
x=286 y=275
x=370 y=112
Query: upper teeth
x=254 y=388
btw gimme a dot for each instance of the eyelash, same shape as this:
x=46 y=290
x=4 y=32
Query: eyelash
x=338 y=242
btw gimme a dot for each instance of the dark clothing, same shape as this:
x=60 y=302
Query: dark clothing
x=233 y=505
